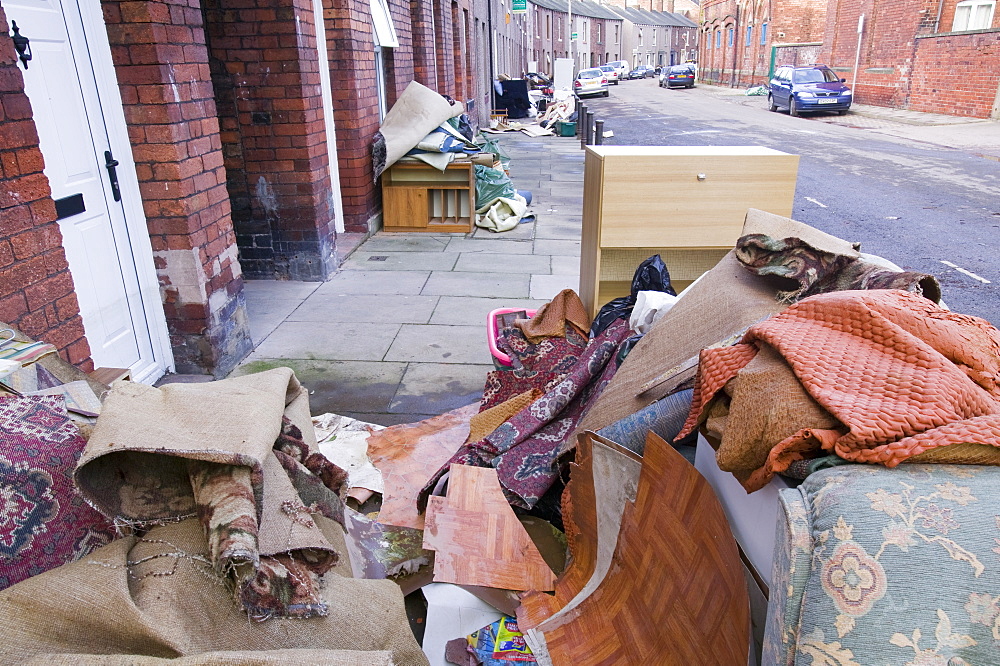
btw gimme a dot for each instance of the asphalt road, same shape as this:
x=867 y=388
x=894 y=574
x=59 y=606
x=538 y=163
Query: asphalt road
x=914 y=203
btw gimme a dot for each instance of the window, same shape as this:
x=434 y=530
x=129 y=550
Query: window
x=548 y=26
x=599 y=26
x=382 y=27
x=718 y=39
x=973 y=15
x=749 y=36
x=763 y=34
x=616 y=34
x=654 y=36
x=729 y=40
x=640 y=36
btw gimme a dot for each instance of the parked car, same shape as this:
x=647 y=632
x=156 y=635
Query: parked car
x=622 y=67
x=642 y=72
x=611 y=73
x=591 y=82
x=808 y=89
x=678 y=76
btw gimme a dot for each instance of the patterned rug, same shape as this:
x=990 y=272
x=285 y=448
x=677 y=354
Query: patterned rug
x=44 y=523
x=525 y=449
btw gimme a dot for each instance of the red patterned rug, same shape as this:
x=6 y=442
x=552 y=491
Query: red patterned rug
x=43 y=521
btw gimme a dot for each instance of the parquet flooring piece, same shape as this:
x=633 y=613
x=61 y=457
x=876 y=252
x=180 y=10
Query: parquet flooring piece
x=675 y=591
x=408 y=456
x=477 y=538
x=601 y=481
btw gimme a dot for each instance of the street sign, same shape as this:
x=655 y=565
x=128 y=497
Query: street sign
x=573 y=36
x=519 y=6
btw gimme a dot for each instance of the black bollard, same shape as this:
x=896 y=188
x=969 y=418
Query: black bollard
x=599 y=133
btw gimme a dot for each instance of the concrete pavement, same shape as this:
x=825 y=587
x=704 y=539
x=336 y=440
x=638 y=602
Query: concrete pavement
x=399 y=334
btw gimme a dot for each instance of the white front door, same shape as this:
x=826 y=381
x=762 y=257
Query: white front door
x=107 y=248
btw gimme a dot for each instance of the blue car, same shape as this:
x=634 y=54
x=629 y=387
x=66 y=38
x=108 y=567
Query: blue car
x=808 y=89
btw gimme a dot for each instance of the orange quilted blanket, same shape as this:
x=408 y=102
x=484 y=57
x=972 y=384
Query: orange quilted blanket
x=903 y=375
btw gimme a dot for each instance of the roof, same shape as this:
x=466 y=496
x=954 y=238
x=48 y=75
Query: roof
x=647 y=17
x=580 y=8
x=597 y=10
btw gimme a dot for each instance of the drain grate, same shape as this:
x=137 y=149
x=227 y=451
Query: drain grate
x=378 y=257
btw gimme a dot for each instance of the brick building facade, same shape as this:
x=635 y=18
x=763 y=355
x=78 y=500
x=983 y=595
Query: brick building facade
x=740 y=38
x=239 y=132
x=598 y=29
x=939 y=56
x=924 y=56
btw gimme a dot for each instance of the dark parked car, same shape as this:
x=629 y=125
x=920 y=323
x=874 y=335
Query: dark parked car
x=678 y=76
x=642 y=72
x=808 y=89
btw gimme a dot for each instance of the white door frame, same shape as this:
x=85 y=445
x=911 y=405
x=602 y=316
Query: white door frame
x=112 y=111
x=326 y=92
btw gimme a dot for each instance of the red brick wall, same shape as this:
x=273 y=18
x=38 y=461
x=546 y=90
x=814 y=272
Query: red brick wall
x=422 y=27
x=903 y=64
x=162 y=67
x=267 y=89
x=355 y=104
x=36 y=288
x=936 y=89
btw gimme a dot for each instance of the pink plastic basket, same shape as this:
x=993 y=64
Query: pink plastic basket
x=500 y=358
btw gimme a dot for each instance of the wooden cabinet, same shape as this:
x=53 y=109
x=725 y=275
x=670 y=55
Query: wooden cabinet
x=685 y=203
x=418 y=197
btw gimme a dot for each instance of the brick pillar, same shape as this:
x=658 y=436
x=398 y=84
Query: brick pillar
x=162 y=67
x=266 y=78
x=444 y=46
x=422 y=19
x=355 y=103
x=36 y=290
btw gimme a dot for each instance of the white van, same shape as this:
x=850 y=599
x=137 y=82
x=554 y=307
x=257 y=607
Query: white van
x=621 y=67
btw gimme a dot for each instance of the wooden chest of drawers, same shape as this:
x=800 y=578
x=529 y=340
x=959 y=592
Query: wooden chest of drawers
x=418 y=197
x=685 y=203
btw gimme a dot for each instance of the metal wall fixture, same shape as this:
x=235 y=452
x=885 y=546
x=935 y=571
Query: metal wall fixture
x=21 y=43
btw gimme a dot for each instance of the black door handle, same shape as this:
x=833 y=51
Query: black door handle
x=110 y=163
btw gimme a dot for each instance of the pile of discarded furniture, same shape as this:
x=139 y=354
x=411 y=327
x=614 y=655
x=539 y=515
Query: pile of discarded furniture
x=809 y=472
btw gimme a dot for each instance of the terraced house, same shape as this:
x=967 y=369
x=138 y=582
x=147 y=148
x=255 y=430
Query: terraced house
x=904 y=55
x=156 y=152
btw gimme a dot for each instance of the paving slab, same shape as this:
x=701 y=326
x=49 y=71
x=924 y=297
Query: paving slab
x=503 y=263
x=564 y=248
x=372 y=308
x=564 y=266
x=365 y=260
x=436 y=388
x=472 y=311
x=340 y=386
x=270 y=302
x=489 y=285
x=545 y=287
x=329 y=341
x=560 y=231
x=393 y=242
x=374 y=282
x=439 y=344
x=490 y=245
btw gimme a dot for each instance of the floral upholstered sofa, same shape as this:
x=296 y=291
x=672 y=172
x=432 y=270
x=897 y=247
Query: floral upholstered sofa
x=887 y=566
